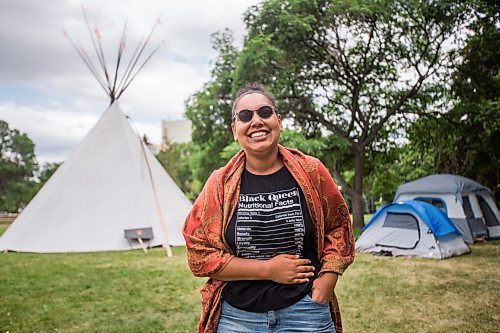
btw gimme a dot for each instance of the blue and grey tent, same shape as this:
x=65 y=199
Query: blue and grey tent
x=468 y=204
x=412 y=229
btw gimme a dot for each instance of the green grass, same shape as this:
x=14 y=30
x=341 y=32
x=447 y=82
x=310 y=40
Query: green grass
x=135 y=292
x=98 y=292
x=460 y=294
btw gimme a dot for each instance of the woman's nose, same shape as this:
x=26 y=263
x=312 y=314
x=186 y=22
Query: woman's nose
x=256 y=121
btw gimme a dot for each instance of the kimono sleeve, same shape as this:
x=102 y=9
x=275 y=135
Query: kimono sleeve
x=338 y=250
x=202 y=231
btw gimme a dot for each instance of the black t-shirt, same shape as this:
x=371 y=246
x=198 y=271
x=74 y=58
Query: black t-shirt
x=271 y=218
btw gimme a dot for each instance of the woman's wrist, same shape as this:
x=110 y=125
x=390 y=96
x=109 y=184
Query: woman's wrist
x=323 y=287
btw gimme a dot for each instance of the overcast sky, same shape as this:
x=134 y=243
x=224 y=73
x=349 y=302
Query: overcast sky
x=47 y=92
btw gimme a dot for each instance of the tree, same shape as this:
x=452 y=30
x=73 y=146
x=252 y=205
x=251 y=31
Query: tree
x=210 y=110
x=351 y=69
x=387 y=170
x=176 y=159
x=17 y=168
x=465 y=140
x=46 y=171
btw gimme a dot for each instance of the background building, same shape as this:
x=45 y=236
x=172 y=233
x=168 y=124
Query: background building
x=176 y=131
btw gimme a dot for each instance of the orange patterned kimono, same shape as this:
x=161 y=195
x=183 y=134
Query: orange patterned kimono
x=205 y=227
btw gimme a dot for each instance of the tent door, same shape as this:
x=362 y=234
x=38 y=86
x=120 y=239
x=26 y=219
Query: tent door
x=489 y=217
x=476 y=225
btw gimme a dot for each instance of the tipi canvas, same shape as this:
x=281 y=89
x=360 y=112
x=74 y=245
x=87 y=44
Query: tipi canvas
x=111 y=183
x=110 y=187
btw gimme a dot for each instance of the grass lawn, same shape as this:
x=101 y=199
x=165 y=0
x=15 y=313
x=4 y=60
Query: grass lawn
x=135 y=292
x=3 y=227
x=460 y=294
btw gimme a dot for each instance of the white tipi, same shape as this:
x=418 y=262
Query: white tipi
x=111 y=183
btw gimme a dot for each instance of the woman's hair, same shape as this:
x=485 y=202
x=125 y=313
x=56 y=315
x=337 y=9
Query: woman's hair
x=253 y=88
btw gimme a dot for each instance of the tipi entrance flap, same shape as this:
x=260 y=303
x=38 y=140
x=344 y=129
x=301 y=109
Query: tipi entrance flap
x=140 y=235
x=399 y=230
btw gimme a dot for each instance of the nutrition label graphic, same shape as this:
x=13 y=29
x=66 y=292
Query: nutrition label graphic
x=268 y=224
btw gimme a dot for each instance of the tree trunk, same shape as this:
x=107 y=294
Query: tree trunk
x=357 y=195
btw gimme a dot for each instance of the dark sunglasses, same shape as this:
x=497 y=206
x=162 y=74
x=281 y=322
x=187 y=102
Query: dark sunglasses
x=246 y=115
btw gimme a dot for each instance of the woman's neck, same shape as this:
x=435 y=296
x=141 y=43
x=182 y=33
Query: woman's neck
x=264 y=165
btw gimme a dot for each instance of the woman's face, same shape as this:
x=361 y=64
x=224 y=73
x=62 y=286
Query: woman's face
x=258 y=136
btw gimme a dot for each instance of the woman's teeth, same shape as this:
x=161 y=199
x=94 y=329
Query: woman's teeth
x=257 y=134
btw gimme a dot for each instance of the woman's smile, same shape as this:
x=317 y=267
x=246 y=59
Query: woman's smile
x=258 y=134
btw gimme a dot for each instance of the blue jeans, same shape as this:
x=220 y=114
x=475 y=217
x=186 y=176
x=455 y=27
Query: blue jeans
x=304 y=316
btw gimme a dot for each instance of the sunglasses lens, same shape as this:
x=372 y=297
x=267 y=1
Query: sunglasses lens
x=245 y=115
x=265 y=112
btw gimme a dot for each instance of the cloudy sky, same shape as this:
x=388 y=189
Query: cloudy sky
x=47 y=92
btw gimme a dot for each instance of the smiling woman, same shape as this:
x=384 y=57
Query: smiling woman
x=271 y=230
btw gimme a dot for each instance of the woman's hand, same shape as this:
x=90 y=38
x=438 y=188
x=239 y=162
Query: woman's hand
x=283 y=268
x=323 y=286
x=289 y=269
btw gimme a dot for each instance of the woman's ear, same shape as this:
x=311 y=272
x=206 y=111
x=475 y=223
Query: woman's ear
x=233 y=128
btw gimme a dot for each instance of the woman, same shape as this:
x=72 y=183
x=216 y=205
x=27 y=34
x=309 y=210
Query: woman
x=271 y=230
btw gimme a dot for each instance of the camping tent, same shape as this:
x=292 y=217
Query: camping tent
x=467 y=203
x=111 y=193
x=412 y=229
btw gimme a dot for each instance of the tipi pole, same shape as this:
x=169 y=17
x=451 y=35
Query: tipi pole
x=166 y=243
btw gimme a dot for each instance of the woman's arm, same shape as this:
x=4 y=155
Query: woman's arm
x=283 y=268
x=323 y=287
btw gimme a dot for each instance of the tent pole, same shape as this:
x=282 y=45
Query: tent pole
x=166 y=243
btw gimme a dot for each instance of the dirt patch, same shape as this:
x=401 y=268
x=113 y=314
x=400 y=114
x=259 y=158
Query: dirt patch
x=6 y=219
